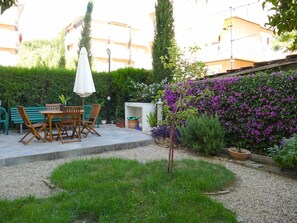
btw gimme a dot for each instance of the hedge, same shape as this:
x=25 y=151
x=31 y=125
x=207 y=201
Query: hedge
x=257 y=110
x=38 y=86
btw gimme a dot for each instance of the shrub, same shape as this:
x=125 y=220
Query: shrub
x=152 y=119
x=203 y=134
x=143 y=92
x=163 y=131
x=285 y=154
x=46 y=84
x=257 y=110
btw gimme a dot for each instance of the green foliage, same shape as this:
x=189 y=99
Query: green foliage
x=203 y=134
x=38 y=86
x=64 y=99
x=43 y=53
x=285 y=155
x=257 y=110
x=116 y=190
x=183 y=70
x=146 y=92
x=152 y=119
x=163 y=37
x=285 y=42
x=183 y=108
x=62 y=59
x=183 y=64
x=85 y=40
x=6 y=4
x=122 y=88
x=283 y=17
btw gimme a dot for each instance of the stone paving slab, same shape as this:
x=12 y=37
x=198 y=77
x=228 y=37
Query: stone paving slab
x=13 y=152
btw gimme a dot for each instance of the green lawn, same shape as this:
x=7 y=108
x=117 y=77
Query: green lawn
x=116 y=190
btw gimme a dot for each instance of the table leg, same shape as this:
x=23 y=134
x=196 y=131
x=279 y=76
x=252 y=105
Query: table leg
x=50 y=118
x=79 y=123
x=45 y=131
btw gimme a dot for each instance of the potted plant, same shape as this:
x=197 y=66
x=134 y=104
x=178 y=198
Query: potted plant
x=133 y=122
x=120 y=123
x=103 y=119
x=63 y=100
x=238 y=152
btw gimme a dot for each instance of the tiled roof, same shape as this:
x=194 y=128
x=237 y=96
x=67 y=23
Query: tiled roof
x=260 y=66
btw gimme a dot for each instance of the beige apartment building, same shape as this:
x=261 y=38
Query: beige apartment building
x=226 y=41
x=128 y=46
x=241 y=43
x=231 y=34
x=10 y=37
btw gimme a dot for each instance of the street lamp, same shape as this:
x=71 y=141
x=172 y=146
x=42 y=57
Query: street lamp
x=108 y=53
x=108 y=121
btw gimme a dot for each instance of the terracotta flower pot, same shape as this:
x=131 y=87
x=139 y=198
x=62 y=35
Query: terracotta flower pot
x=243 y=155
x=120 y=124
x=132 y=124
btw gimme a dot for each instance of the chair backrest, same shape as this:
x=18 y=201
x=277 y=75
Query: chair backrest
x=52 y=107
x=87 y=110
x=24 y=116
x=94 y=112
x=71 y=114
x=3 y=114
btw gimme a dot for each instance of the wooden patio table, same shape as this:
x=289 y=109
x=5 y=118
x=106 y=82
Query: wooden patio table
x=48 y=117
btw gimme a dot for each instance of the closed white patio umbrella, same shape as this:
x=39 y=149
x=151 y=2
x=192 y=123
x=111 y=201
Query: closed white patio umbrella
x=84 y=84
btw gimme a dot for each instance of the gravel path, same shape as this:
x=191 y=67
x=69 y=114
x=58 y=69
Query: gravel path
x=260 y=196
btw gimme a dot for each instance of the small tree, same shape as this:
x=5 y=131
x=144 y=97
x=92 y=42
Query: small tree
x=183 y=64
x=184 y=70
x=85 y=40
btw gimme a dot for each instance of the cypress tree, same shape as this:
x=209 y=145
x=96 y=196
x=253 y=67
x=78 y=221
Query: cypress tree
x=163 y=38
x=85 y=40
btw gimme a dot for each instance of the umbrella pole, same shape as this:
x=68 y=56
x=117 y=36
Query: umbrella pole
x=83 y=105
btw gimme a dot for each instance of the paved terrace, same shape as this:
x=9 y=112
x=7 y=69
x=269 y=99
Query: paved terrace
x=13 y=152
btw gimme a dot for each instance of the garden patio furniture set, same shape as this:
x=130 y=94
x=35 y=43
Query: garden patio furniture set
x=71 y=119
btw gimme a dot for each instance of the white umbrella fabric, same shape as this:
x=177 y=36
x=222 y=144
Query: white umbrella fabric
x=84 y=84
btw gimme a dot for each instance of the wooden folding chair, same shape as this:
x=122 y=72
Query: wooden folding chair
x=53 y=107
x=70 y=122
x=34 y=129
x=90 y=123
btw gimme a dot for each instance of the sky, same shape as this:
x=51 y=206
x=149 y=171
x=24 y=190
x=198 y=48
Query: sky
x=44 y=19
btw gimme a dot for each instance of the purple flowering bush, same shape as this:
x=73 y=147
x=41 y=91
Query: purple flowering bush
x=256 y=110
x=163 y=131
